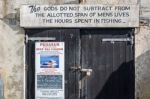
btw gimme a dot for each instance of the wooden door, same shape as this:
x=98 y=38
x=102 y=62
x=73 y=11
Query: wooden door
x=71 y=39
x=110 y=55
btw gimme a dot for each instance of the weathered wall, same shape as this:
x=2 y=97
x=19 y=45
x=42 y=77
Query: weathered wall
x=142 y=62
x=2 y=12
x=142 y=52
x=12 y=42
x=109 y=1
x=12 y=45
x=11 y=59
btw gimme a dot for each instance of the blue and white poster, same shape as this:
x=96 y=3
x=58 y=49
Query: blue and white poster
x=49 y=70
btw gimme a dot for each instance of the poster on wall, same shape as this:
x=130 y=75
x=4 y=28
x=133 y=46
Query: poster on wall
x=49 y=70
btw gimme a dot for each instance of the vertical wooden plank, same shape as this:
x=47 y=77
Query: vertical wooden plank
x=115 y=70
x=110 y=78
x=131 y=68
x=71 y=39
x=73 y=61
x=30 y=70
x=109 y=62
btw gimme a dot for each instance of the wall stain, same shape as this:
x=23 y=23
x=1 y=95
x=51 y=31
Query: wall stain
x=143 y=77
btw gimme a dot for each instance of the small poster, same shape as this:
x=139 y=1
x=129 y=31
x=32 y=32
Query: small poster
x=49 y=70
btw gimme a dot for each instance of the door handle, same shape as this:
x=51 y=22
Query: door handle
x=85 y=74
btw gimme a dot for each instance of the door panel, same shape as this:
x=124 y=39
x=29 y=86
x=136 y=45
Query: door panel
x=71 y=39
x=112 y=64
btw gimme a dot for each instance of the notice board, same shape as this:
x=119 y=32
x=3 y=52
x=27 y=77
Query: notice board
x=78 y=16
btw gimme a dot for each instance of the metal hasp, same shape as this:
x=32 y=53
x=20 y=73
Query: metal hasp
x=87 y=71
x=113 y=40
x=82 y=70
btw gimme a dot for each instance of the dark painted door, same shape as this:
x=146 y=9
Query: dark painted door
x=71 y=39
x=110 y=55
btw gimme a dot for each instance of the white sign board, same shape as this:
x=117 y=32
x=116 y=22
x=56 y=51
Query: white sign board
x=49 y=70
x=79 y=16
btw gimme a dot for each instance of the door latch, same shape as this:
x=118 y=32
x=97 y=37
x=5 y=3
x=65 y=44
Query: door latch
x=85 y=74
x=82 y=70
x=75 y=68
x=87 y=71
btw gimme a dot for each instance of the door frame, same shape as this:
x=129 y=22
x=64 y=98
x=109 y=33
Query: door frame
x=28 y=37
x=25 y=57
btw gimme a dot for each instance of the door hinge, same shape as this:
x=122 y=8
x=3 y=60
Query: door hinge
x=39 y=38
x=113 y=40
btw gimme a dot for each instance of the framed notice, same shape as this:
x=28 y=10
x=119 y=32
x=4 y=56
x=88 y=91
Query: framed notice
x=79 y=16
x=49 y=70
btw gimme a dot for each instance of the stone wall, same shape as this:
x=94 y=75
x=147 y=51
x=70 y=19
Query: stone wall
x=142 y=62
x=11 y=59
x=142 y=52
x=12 y=45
